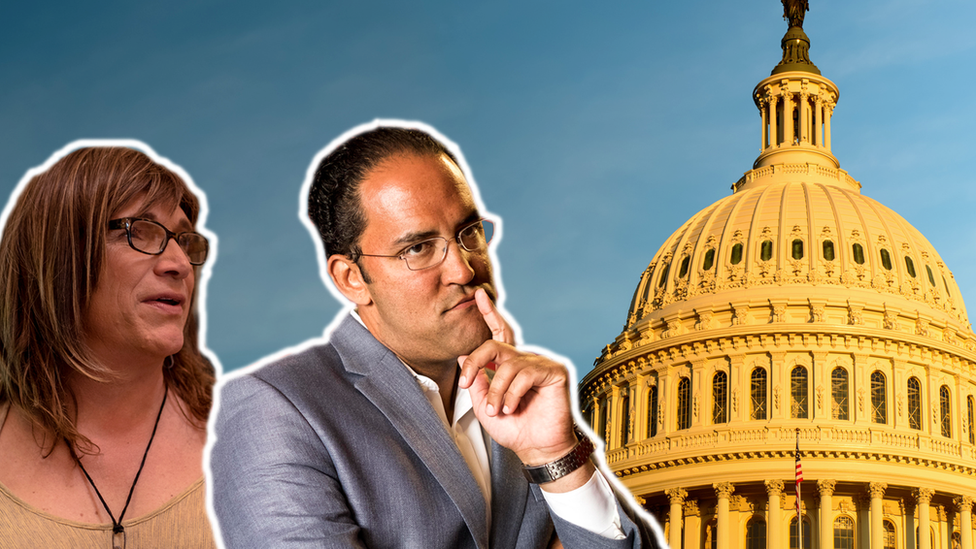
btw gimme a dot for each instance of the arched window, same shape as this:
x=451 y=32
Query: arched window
x=931 y=537
x=828 y=250
x=946 y=411
x=839 y=391
x=914 y=403
x=684 y=403
x=624 y=416
x=756 y=533
x=766 y=250
x=972 y=438
x=858 y=252
x=889 y=539
x=843 y=532
x=758 y=392
x=879 y=394
x=910 y=265
x=797 y=249
x=794 y=538
x=683 y=270
x=885 y=259
x=711 y=534
x=798 y=393
x=720 y=398
x=709 y=260
x=664 y=275
x=737 y=254
x=602 y=424
x=652 y=411
x=931 y=277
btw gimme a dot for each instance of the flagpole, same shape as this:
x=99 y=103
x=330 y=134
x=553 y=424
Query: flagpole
x=799 y=478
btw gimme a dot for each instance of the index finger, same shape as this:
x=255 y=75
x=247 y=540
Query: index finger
x=500 y=330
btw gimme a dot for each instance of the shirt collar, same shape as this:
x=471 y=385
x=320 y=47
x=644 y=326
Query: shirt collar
x=462 y=398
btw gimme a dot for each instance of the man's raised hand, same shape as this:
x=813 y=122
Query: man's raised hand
x=525 y=407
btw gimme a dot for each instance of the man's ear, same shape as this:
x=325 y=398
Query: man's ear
x=348 y=279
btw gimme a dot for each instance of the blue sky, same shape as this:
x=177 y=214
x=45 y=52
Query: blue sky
x=593 y=129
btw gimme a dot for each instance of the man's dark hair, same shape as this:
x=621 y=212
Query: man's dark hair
x=334 y=203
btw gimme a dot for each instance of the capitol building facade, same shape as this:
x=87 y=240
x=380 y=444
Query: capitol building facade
x=794 y=311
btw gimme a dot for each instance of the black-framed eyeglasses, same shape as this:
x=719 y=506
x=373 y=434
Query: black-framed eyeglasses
x=429 y=253
x=150 y=237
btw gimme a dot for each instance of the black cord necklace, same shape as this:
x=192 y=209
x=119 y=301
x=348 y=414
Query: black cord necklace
x=118 y=531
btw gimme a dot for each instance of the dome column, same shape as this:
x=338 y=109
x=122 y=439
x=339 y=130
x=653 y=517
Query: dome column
x=641 y=407
x=876 y=490
x=742 y=379
x=699 y=388
x=774 y=489
x=819 y=377
x=861 y=404
x=828 y=114
x=923 y=496
x=666 y=389
x=615 y=414
x=818 y=122
x=788 y=130
x=764 y=114
x=596 y=418
x=826 y=489
x=723 y=490
x=944 y=535
x=773 y=136
x=964 y=504
x=814 y=134
x=601 y=419
x=780 y=401
x=676 y=496
x=802 y=118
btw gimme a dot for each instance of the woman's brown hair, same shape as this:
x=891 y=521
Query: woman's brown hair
x=51 y=252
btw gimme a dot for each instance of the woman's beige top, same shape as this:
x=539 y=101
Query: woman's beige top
x=181 y=522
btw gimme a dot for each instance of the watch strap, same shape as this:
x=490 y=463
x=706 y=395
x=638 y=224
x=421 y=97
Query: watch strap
x=548 y=472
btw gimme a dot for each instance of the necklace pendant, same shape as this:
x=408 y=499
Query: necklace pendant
x=118 y=538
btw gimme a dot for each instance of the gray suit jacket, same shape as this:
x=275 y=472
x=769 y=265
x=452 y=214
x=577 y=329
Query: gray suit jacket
x=338 y=447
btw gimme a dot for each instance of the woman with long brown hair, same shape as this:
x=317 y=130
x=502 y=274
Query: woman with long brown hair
x=104 y=392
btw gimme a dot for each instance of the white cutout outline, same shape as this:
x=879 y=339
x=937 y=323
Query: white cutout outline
x=207 y=269
x=348 y=307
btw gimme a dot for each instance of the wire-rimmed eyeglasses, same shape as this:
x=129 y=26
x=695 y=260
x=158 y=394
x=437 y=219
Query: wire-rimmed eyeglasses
x=150 y=237
x=429 y=253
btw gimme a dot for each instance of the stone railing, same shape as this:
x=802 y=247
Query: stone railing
x=817 y=171
x=830 y=438
x=944 y=446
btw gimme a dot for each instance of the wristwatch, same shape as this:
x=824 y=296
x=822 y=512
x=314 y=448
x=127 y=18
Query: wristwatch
x=548 y=472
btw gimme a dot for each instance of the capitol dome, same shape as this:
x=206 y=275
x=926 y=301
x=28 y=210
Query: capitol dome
x=794 y=313
x=806 y=230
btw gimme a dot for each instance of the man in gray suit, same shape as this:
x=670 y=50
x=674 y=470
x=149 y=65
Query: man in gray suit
x=417 y=424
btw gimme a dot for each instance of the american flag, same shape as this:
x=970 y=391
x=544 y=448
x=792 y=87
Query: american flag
x=799 y=474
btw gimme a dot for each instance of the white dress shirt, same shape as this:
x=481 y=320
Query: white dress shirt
x=591 y=506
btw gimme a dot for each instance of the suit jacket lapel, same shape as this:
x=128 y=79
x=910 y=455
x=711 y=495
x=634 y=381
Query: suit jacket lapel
x=394 y=391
